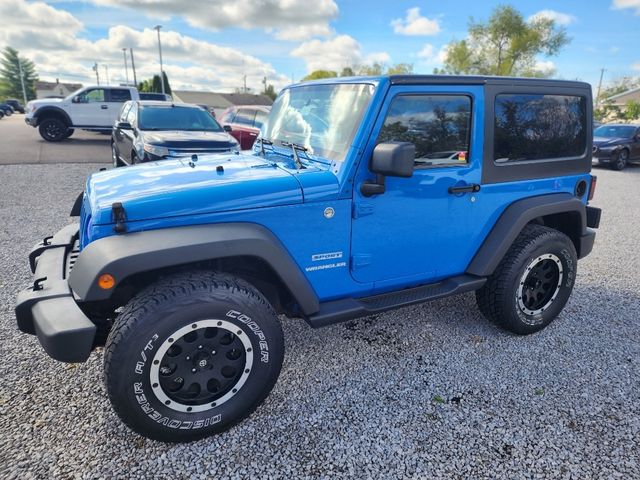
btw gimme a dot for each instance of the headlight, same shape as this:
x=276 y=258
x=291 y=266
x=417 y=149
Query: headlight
x=156 y=150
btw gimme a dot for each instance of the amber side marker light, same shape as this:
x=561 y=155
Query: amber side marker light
x=106 y=281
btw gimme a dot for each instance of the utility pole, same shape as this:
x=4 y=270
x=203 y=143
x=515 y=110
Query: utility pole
x=264 y=82
x=106 y=71
x=158 y=27
x=126 y=72
x=133 y=67
x=602 y=70
x=95 y=69
x=24 y=91
x=245 y=83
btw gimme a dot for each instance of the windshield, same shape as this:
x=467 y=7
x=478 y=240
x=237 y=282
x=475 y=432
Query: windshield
x=321 y=118
x=177 y=118
x=73 y=94
x=613 y=131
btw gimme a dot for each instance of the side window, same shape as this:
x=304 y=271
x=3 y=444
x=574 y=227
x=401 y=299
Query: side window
x=438 y=125
x=228 y=117
x=119 y=95
x=131 y=116
x=245 y=117
x=95 y=95
x=533 y=127
x=123 y=112
x=261 y=116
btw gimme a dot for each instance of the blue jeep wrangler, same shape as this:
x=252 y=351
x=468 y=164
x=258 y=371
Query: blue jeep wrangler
x=361 y=195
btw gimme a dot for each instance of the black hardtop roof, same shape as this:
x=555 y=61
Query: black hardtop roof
x=483 y=80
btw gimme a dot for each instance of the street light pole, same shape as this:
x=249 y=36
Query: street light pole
x=106 y=70
x=95 y=69
x=133 y=67
x=126 y=72
x=158 y=27
x=24 y=92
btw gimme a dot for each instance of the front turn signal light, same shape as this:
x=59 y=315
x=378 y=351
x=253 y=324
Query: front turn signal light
x=106 y=281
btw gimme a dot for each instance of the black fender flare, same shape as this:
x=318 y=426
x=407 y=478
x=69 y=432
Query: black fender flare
x=138 y=252
x=514 y=219
x=45 y=111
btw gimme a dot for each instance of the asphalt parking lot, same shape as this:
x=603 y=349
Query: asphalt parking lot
x=429 y=391
x=22 y=144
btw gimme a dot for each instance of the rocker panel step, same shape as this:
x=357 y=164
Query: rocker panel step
x=349 y=308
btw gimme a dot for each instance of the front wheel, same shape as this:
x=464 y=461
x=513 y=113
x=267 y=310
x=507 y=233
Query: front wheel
x=532 y=283
x=621 y=160
x=191 y=356
x=53 y=129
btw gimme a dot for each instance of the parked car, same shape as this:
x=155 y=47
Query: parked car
x=147 y=131
x=1 y=114
x=331 y=217
x=616 y=145
x=16 y=105
x=162 y=97
x=92 y=108
x=245 y=122
x=6 y=109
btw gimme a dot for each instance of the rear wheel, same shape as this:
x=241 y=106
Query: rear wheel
x=532 y=283
x=191 y=356
x=53 y=129
x=621 y=160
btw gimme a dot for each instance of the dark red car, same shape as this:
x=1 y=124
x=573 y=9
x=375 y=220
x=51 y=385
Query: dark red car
x=245 y=122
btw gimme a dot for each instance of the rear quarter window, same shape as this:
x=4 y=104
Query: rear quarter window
x=536 y=127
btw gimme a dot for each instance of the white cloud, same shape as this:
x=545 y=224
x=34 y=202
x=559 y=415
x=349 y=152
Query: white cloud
x=61 y=52
x=558 y=17
x=545 y=66
x=636 y=66
x=287 y=19
x=336 y=53
x=415 y=24
x=430 y=56
x=620 y=4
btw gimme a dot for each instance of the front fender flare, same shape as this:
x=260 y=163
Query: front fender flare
x=51 y=110
x=132 y=253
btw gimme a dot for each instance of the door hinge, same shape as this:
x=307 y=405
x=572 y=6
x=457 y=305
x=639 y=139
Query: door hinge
x=360 y=260
x=362 y=209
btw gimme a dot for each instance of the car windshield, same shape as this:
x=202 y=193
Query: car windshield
x=177 y=118
x=321 y=118
x=613 y=131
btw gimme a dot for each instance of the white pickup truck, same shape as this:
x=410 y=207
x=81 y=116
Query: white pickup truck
x=90 y=108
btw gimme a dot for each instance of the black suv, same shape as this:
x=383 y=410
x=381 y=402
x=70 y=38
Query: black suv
x=15 y=104
x=155 y=130
x=616 y=145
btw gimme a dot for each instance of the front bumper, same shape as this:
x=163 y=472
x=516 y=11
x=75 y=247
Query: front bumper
x=31 y=121
x=48 y=308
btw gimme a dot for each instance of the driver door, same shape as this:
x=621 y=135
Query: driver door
x=90 y=109
x=417 y=231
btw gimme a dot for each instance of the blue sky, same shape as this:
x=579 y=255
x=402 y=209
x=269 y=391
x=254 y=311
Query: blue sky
x=209 y=49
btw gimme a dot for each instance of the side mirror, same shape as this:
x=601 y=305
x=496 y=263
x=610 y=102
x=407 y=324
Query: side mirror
x=227 y=128
x=123 y=125
x=392 y=159
x=75 y=99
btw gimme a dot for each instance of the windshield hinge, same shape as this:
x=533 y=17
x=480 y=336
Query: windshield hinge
x=360 y=260
x=119 y=217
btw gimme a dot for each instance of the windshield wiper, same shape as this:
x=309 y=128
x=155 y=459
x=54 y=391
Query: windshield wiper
x=295 y=148
x=264 y=141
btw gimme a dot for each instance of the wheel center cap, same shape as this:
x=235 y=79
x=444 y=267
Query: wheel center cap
x=202 y=363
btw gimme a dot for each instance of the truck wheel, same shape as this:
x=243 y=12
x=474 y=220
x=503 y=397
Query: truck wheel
x=69 y=132
x=532 y=283
x=53 y=129
x=621 y=160
x=191 y=356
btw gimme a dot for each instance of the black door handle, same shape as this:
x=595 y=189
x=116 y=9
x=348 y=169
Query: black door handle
x=471 y=188
x=104 y=107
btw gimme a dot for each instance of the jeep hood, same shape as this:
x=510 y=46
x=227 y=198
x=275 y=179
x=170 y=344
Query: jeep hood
x=169 y=188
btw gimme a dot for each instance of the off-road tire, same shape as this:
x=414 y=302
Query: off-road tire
x=69 y=132
x=621 y=160
x=502 y=299
x=53 y=129
x=148 y=323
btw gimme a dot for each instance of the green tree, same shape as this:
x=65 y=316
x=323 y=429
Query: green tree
x=270 y=92
x=400 y=69
x=347 y=72
x=318 y=74
x=10 y=85
x=506 y=44
x=632 y=110
x=604 y=106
